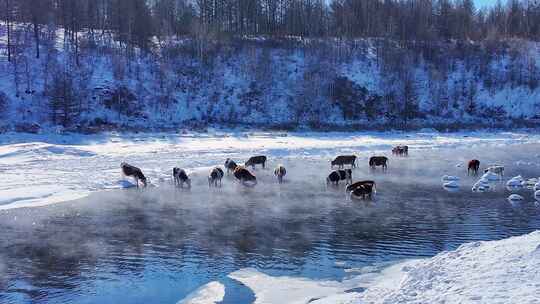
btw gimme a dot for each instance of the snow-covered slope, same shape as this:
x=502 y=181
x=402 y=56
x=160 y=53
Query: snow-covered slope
x=504 y=271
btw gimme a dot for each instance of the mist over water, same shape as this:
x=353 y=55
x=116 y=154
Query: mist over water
x=159 y=244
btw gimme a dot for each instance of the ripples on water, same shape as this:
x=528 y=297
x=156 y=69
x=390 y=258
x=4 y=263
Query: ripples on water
x=158 y=245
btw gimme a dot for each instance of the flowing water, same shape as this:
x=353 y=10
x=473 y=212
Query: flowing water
x=159 y=244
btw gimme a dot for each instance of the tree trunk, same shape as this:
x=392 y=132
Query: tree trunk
x=8 y=23
x=36 y=36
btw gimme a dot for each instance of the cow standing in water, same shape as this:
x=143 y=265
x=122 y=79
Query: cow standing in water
x=136 y=173
x=400 y=151
x=180 y=178
x=243 y=175
x=335 y=176
x=361 y=189
x=256 y=160
x=343 y=160
x=280 y=173
x=368 y=183
x=230 y=165
x=473 y=167
x=378 y=161
x=215 y=176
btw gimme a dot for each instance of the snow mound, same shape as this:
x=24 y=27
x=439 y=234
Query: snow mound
x=482 y=185
x=492 y=177
x=515 y=198
x=485 y=183
x=451 y=184
x=120 y=184
x=449 y=178
x=504 y=271
x=211 y=293
x=516 y=181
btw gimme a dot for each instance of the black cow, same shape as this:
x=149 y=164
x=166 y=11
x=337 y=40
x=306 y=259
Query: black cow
x=343 y=160
x=378 y=161
x=256 y=160
x=280 y=172
x=215 y=175
x=180 y=177
x=230 y=165
x=136 y=173
x=339 y=175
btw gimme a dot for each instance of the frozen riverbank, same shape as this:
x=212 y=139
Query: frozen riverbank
x=504 y=271
x=45 y=169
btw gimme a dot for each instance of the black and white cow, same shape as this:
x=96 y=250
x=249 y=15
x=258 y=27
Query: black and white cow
x=180 y=178
x=338 y=175
x=215 y=176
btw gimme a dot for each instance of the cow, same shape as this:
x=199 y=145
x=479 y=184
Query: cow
x=136 y=173
x=180 y=178
x=400 y=150
x=230 y=165
x=377 y=161
x=367 y=183
x=339 y=175
x=256 y=160
x=343 y=160
x=243 y=175
x=497 y=169
x=362 y=191
x=280 y=172
x=473 y=167
x=215 y=176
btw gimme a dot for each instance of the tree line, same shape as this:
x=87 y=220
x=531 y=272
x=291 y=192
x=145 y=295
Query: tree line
x=143 y=23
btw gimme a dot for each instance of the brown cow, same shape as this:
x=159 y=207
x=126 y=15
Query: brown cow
x=473 y=166
x=377 y=161
x=343 y=160
x=256 y=160
x=243 y=175
x=136 y=173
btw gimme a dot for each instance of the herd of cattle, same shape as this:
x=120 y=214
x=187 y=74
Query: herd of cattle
x=359 y=189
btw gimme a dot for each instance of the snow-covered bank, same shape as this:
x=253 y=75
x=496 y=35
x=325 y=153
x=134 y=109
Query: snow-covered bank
x=210 y=293
x=45 y=169
x=504 y=271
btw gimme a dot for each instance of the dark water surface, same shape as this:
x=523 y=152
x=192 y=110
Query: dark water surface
x=158 y=245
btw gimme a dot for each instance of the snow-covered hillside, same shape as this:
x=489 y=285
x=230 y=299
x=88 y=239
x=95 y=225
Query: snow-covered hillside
x=372 y=83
